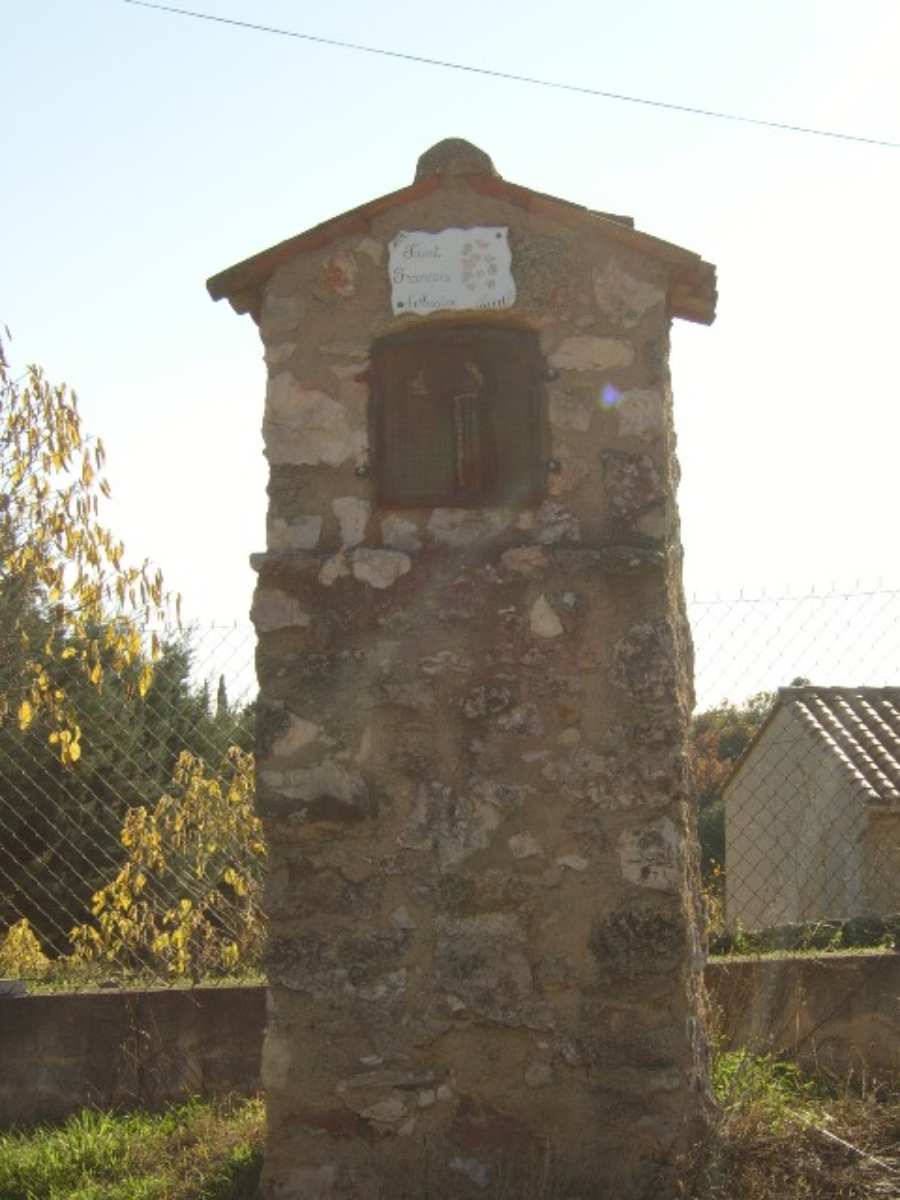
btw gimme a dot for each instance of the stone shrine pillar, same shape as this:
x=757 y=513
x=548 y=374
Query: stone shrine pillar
x=475 y=686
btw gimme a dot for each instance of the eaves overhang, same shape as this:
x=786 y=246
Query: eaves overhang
x=692 y=282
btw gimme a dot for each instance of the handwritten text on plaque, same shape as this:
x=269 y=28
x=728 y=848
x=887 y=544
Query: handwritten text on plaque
x=453 y=269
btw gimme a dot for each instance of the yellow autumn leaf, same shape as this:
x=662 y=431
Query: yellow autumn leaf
x=26 y=714
x=145 y=680
x=71 y=753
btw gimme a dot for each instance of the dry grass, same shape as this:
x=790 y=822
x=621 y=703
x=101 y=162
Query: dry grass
x=801 y=1141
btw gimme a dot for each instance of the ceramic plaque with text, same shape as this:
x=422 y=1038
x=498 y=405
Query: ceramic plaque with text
x=451 y=270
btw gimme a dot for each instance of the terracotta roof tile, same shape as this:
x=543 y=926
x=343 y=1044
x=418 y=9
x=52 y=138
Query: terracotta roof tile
x=861 y=726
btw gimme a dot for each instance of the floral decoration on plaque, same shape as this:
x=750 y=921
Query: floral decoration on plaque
x=452 y=269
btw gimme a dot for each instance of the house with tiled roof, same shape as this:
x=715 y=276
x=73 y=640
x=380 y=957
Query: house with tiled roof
x=812 y=810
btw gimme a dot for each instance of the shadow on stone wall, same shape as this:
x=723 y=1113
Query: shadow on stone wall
x=127 y=1050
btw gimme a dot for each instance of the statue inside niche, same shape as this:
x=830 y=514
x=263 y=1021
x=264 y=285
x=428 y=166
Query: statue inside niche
x=454 y=418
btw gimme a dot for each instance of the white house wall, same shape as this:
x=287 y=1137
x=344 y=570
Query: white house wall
x=794 y=833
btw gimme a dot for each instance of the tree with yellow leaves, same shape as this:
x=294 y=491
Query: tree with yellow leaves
x=186 y=900
x=73 y=651
x=66 y=591
x=106 y=745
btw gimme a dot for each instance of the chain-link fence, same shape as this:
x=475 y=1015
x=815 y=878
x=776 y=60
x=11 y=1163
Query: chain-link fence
x=143 y=858
x=753 y=641
x=797 y=762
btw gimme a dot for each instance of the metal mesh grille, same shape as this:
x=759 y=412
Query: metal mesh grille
x=798 y=791
x=797 y=754
x=148 y=837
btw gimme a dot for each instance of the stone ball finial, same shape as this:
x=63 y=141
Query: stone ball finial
x=454 y=156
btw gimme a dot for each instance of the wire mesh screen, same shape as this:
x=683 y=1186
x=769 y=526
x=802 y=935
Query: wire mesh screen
x=143 y=860
x=753 y=641
x=797 y=766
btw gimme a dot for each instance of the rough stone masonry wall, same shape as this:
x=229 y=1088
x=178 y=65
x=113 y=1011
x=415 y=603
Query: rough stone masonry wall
x=483 y=955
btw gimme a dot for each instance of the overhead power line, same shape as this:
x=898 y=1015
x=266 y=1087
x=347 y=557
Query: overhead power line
x=512 y=78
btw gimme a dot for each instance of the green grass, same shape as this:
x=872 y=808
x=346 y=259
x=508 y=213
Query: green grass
x=781 y=1135
x=196 y=1151
x=775 y=1089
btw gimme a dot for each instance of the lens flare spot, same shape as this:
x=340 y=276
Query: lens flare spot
x=610 y=396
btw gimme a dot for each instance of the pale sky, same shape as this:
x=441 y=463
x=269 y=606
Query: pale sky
x=145 y=151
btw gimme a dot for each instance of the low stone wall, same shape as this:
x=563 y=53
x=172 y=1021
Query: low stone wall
x=837 y=1014
x=58 y=1053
